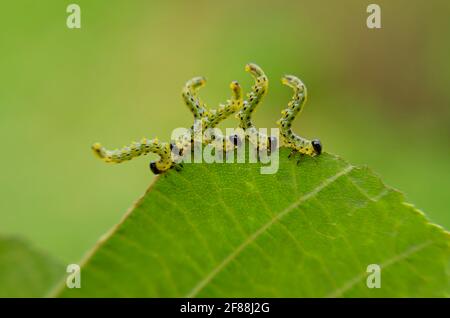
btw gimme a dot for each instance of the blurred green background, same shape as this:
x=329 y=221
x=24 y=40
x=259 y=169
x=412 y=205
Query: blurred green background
x=377 y=97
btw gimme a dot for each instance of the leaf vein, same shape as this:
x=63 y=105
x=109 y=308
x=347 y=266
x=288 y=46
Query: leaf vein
x=264 y=228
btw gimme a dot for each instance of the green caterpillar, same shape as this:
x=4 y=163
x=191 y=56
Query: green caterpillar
x=254 y=98
x=137 y=149
x=295 y=106
x=206 y=119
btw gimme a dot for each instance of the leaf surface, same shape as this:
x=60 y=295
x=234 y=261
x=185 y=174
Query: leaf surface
x=310 y=230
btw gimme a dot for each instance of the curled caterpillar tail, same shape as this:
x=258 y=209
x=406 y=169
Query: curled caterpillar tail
x=255 y=70
x=100 y=152
x=137 y=149
x=295 y=106
x=189 y=94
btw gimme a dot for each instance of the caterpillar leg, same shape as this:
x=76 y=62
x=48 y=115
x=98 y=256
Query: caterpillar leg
x=300 y=159
x=295 y=106
x=137 y=149
x=295 y=153
x=292 y=153
x=178 y=167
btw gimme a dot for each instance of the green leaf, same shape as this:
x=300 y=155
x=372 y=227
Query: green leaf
x=312 y=229
x=24 y=271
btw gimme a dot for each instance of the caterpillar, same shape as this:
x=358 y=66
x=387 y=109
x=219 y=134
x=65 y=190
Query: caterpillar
x=254 y=98
x=137 y=149
x=295 y=106
x=207 y=119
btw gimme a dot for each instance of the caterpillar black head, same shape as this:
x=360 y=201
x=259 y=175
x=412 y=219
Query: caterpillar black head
x=235 y=140
x=317 y=146
x=154 y=169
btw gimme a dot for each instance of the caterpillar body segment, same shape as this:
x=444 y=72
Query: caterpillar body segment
x=189 y=94
x=295 y=106
x=136 y=149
